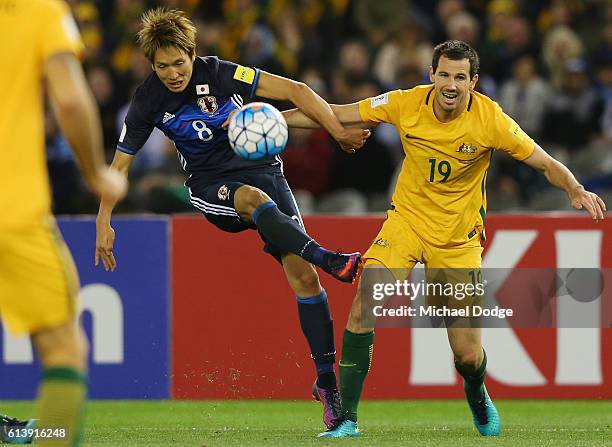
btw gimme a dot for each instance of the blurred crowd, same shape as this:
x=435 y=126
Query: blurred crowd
x=547 y=62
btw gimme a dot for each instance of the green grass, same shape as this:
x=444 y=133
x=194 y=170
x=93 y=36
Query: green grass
x=384 y=423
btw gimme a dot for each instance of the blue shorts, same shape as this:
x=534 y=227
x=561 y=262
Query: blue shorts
x=216 y=202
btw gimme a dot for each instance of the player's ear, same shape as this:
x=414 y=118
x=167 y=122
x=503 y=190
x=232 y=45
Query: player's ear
x=193 y=55
x=474 y=81
x=431 y=73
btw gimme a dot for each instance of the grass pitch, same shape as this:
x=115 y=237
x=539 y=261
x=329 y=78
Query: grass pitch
x=383 y=423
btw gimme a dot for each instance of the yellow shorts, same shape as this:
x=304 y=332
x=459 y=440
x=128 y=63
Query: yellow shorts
x=399 y=248
x=38 y=279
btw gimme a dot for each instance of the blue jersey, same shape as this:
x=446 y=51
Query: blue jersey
x=192 y=119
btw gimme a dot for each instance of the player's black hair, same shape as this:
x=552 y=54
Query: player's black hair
x=456 y=50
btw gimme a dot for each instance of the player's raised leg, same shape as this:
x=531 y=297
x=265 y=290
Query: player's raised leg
x=471 y=363
x=285 y=232
x=318 y=328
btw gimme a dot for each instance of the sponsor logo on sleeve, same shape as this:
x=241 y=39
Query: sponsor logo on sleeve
x=244 y=74
x=516 y=131
x=379 y=100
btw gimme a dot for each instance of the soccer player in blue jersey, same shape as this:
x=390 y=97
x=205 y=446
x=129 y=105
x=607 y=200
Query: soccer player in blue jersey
x=190 y=98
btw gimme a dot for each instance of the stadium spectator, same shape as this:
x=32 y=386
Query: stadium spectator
x=377 y=19
x=573 y=114
x=445 y=11
x=560 y=45
x=103 y=88
x=525 y=95
x=411 y=43
x=463 y=26
x=67 y=189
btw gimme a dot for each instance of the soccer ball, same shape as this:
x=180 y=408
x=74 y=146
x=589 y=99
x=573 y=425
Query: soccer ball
x=257 y=131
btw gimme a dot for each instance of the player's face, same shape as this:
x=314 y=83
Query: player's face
x=173 y=67
x=452 y=85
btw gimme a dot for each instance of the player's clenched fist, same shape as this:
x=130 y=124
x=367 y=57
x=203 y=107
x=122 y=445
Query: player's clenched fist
x=352 y=139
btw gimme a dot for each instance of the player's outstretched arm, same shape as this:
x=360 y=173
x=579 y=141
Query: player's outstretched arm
x=313 y=106
x=105 y=234
x=77 y=115
x=558 y=175
x=347 y=114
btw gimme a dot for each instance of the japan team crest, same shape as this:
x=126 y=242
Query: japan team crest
x=208 y=104
x=223 y=193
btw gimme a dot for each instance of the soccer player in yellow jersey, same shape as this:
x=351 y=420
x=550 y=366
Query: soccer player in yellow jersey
x=448 y=133
x=39 y=41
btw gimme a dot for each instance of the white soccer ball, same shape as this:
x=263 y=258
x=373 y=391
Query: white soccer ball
x=258 y=131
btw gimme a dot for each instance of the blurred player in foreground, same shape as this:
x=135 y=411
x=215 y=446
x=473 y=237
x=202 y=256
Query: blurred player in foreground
x=38 y=280
x=448 y=133
x=190 y=99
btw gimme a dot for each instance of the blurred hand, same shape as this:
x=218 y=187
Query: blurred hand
x=581 y=198
x=105 y=238
x=352 y=139
x=108 y=183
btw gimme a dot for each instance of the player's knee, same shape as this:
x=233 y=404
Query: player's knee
x=66 y=349
x=469 y=357
x=360 y=321
x=306 y=283
x=355 y=318
x=247 y=199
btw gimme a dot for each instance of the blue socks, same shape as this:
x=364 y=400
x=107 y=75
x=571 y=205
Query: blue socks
x=318 y=328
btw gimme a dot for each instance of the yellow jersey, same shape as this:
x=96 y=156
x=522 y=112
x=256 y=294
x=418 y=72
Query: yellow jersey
x=30 y=32
x=441 y=187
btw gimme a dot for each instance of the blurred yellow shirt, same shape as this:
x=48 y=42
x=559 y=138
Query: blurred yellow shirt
x=30 y=32
x=441 y=187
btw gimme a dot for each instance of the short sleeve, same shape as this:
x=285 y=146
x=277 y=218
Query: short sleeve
x=383 y=108
x=510 y=138
x=233 y=78
x=136 y=129
x=59 y=32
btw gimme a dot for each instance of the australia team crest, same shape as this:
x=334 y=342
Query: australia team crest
x=467 y=149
